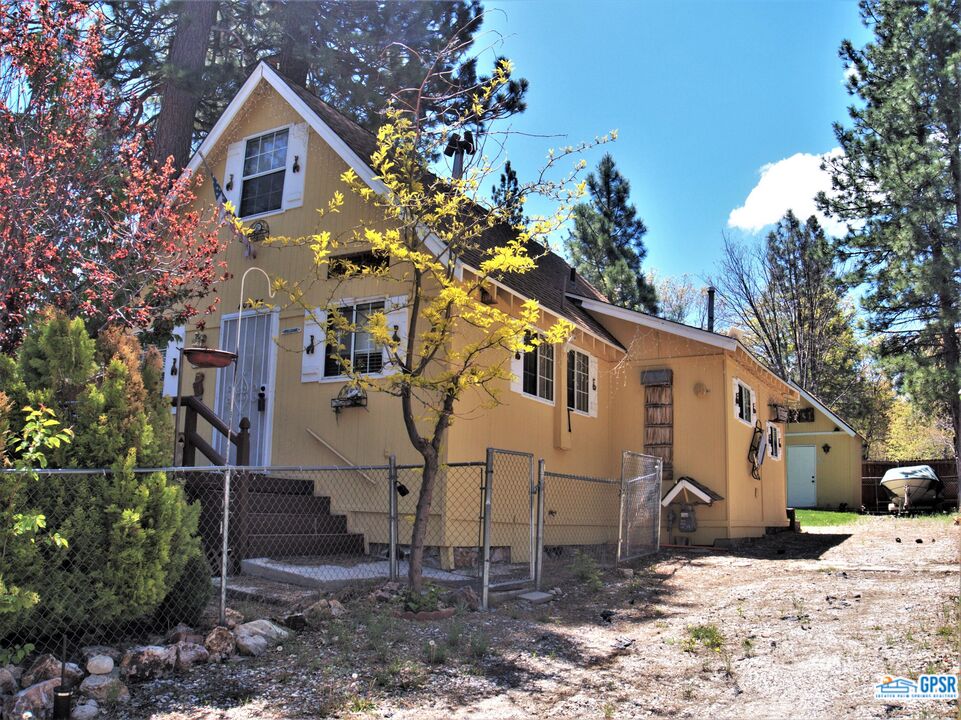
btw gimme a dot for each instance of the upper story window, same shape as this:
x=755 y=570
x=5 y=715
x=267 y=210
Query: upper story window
x=745 y=402
x=265 y=163
x=578 y=381
x=357 y=347
x=538 y=375
x=356 y=263
x=774 y=441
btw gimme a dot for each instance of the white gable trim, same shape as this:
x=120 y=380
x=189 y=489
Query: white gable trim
x=264 y=72
x=684 y=485
x=655 y=323
x=847 y=429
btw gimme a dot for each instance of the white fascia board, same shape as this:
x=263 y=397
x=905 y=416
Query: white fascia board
x=848 y=430
x=263 y=71
x=684 y=485
x=655 y=323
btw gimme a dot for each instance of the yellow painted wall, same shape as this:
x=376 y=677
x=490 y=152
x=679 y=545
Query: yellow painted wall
x=707 y=443
x=839 y=470
x=753 y=504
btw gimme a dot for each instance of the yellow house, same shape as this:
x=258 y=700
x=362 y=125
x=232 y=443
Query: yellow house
x=624 y=380
x=824 y=456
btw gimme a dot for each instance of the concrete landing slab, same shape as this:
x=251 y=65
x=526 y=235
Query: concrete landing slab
x=331 y=576
x=536 y=597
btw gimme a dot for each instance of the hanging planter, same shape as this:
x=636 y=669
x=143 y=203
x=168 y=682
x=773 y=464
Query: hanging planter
x=201 y=357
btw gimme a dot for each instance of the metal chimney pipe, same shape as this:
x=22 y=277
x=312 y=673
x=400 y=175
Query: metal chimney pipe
x=710 y=307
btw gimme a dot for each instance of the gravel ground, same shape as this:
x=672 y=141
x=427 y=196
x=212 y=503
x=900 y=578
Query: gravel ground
x=796 y=625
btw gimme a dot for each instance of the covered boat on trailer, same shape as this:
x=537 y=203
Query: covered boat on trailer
x=914 y=486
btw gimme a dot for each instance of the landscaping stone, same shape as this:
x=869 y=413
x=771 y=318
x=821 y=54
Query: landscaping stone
x=100 y=665
x=535 y=597
x=8 y=683
x=324 y=610
x=105 y=688
x=190 y=653
x=85 y=711
x=90 y=651
x=183 y=633
x=625 y=572
x=47 y=667
x=233 y=617
x=464 y=596
x=220 y=644
x=36 y=699
x=295 y=621
x=148 y=662
x=255 y=637
x=16 y=671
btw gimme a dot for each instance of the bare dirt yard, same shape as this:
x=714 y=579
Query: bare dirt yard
x=798 y=625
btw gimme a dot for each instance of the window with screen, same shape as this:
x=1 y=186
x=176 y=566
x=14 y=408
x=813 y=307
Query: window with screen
x=265 y=163
x=538 y=377
x=578 y=381
x=358 y=347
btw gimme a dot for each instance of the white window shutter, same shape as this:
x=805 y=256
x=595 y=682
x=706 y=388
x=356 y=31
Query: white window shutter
x=396 y=313
x=593 y=385
x=172 y=361
x=234 y=168
x=315 y=343
x=296 y=153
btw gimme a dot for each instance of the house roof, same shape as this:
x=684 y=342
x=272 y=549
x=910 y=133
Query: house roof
x=546 y=283
x=819 y=405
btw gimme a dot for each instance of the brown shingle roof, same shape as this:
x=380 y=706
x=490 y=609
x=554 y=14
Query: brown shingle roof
x=547 y=283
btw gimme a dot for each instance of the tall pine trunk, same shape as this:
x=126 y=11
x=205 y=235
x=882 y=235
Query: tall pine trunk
x=182 y=89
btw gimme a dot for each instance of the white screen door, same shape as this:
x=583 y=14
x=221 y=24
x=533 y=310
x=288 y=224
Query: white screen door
x=802 y=487
x=256 y=371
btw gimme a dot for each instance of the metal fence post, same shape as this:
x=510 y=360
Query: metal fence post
x=225 y=547
x=659 y=482
x=488 y=483
x=539 y=533
x=392 y=515
x=620 y=514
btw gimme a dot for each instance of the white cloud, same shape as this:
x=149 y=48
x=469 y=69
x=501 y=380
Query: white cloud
x=788 y=184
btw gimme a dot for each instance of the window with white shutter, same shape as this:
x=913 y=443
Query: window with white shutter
x=745 y=402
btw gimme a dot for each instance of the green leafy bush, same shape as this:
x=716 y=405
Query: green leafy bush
x=585 y=569
x=133 y=553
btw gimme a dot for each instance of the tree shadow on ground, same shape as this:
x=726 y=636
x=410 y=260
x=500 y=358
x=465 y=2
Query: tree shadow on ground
x=787 y=546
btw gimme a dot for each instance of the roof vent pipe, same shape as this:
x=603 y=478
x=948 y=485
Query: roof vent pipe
x=573 y=278
x=710 y=307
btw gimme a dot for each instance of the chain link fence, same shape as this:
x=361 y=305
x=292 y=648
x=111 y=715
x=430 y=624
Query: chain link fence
x=584 y=522
x=119 y=556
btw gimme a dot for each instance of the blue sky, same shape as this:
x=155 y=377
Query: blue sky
x=704 y=95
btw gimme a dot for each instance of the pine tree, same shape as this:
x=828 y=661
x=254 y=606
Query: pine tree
x=507 y=195
x=789 y=296
x=898 y=183
x=353 y=55
x=606 y=245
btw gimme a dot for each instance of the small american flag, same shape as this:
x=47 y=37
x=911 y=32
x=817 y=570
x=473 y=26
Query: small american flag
x=221 y=197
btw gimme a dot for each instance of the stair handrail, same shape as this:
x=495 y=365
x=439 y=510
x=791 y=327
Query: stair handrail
x=335 y=451
x=195 y=407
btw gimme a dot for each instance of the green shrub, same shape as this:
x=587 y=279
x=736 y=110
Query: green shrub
x=189 y=596
x=133 y=554
x=585 y=569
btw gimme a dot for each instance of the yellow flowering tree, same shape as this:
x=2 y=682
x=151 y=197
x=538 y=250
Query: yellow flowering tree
x=455 y=342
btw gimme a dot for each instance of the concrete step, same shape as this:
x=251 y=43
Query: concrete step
x=498 y=598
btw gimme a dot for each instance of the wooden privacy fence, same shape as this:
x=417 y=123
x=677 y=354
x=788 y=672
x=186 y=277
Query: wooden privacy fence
x=873 y=496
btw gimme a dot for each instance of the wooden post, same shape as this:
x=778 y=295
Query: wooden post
x=189 y=457
x=243 y=443
x=239 y=514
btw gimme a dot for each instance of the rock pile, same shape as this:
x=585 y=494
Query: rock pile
x=102 y=680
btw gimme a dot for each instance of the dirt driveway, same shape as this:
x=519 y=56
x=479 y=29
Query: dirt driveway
x=797 y=625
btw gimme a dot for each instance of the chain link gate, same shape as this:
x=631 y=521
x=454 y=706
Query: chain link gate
x=509 y=524
x=640 y=521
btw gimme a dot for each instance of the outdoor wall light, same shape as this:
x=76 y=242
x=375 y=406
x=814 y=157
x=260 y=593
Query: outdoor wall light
x=826 y=448
x=230 y=183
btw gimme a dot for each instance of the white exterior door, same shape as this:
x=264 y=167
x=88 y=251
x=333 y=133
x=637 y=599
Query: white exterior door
x=253 y=398
x=802 y=486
